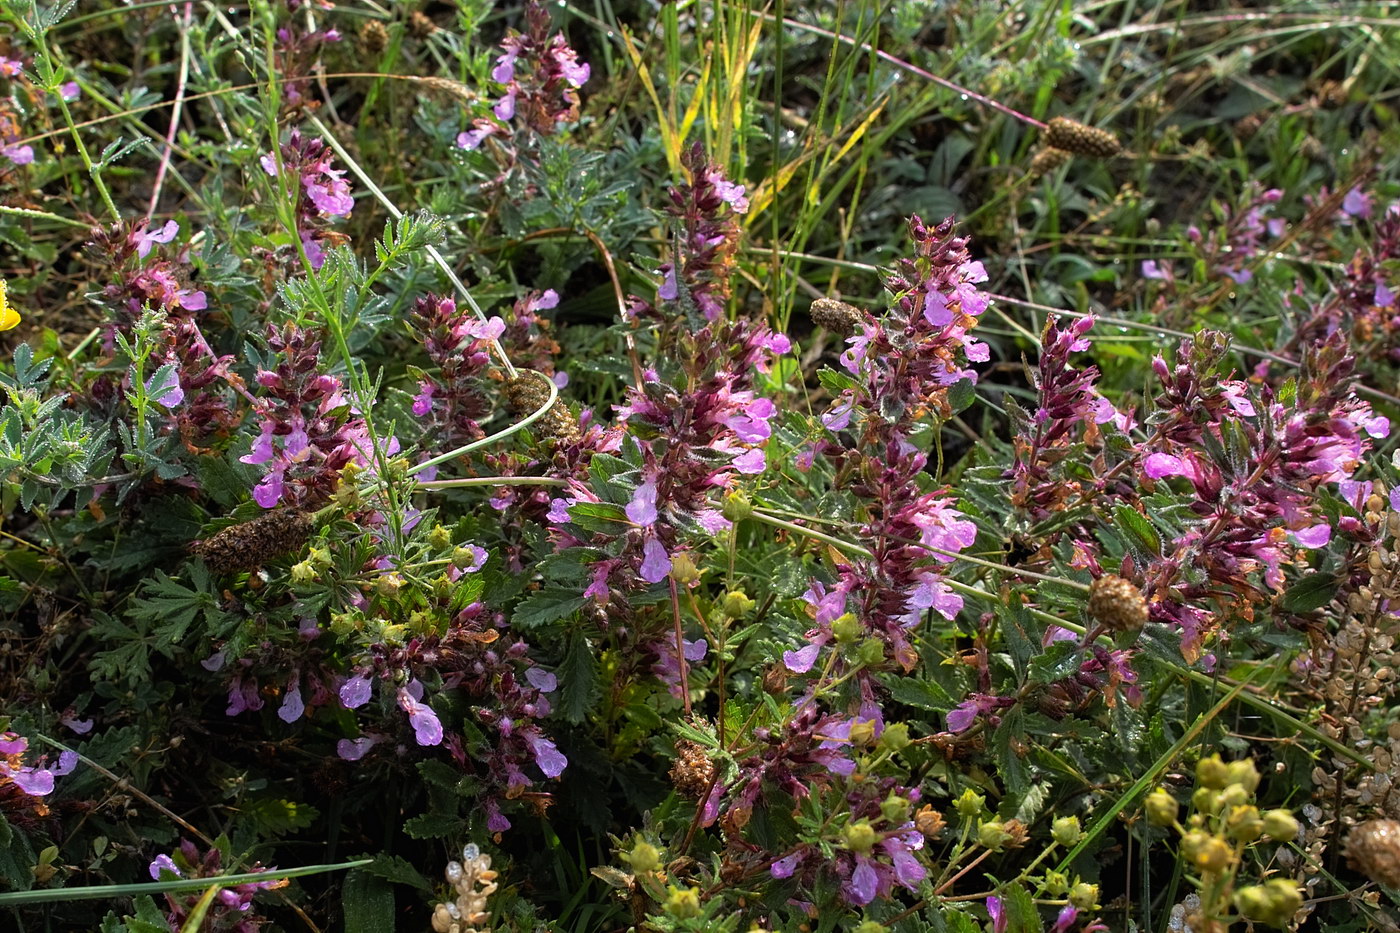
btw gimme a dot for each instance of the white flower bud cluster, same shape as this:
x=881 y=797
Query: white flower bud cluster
x=474 y=881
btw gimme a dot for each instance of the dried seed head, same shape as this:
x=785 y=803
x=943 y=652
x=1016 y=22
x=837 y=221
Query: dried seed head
x=374 y=38
x=250 y=545
x=526 y=393
x=1117 y=604
x=1073 y=136
x=928 y=821
x=693 y=770
x=1047 y=159
x=836 y=316
x=420 y=25
x=1373 y=849
x=450 y=87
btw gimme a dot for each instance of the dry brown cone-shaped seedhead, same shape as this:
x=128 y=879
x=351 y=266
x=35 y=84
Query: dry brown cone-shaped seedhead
x=836 y=316
x=693 y=770
x=420 y=26
x=248 y=546
x=1373 y=848
x=1047 y=159
x=526 y=393
x=374 y=38
x=1117 y=604
x=928 y=821
x=1073 y=136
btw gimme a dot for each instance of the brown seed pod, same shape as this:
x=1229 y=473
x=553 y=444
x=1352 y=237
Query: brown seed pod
x=248 y=546
x=1373 y=848
x=526 y=393
x=1117 y=604
x=693 y=770
x=836 y=316
x=374 y=38
x=420 y=26
x=1073 y=136
x=1047 y=159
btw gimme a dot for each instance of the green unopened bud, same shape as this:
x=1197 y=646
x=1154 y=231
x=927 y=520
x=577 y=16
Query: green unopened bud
x=1280 y=826
x=1243 y=824
x=683 y=903
x=1205 y=800
x=846 y=629
x=895 y=737
x=736 y=605
x=1161 y=807
x=388 y=585
x=992 y=835
x=736 y=506
x=1066 y=830
x=303 y=572
x=1206 y=851
x=1084 y=896
x=683 y=569
x=871 y=652
x=1244 y=774
x=862 y=732
x=320 y=557
x=463 y=557
x=969 y=805
x=861 y=837
x=1056 y=883
x=442 y=586
x=1234 y=796
x=644 y=857
x=894 y=808
x=439 y=538
x=1274 y=902
x=1213 y=773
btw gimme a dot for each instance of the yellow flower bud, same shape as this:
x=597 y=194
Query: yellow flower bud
x=1280 y=826
x=1244 y=774
x=969 y=805
x=1084 y=896
x=1161 y=807
x=683 y=903
x=683 y=569
x=9 y=317
x=992 y=835
x=861 y=837
x=1066 y=830
x=1244 y=825
x=644 y=857
x=1213 y=773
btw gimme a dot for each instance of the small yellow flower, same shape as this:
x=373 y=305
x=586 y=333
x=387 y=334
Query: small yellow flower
x=9 y=317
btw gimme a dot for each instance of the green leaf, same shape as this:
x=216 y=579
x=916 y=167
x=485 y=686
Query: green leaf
x=1022 y=916
x=1141 y=536
x=367 y=901
x=1312 y=592
x=398 y=870
x=545 y=606
x=596 y=517
x=961 y=395
x=1010 y=763
x=920 y=693
x=1060 y=660
x=578 y=678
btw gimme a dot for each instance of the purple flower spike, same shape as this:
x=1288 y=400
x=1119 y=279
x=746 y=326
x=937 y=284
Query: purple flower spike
x=354 y=692
x=550 y=760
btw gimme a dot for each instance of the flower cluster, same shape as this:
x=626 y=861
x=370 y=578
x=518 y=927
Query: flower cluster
x=231 y=910
x=1065 y=423
x=451 y=402
x=903 y=365
x=307 y=431
x=540 y=76
x=513 y=695
x=1253 y=469
x=322 y=193
x=34 y=779
x=706 y=209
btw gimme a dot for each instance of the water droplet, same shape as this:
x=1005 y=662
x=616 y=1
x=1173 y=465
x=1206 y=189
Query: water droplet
x=470 y=851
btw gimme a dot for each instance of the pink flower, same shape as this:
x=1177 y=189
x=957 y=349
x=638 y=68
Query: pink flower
x=550 y=760
x=656 y=563
x=427 y=728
